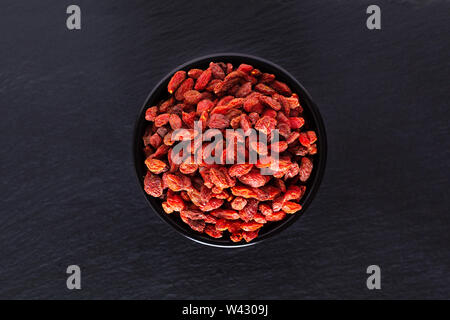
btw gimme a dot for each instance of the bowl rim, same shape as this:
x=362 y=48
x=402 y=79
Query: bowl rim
x=318 y=124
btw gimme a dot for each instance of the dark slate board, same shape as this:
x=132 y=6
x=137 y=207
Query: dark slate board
x=69 y=195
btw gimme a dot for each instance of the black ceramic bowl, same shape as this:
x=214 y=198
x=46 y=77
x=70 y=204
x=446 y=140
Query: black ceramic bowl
x=313 y=121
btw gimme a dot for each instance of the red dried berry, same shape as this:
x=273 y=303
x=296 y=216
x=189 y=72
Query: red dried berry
x=306 y=167
x=195 y=73
x=203 y=80
x=176 y=80
x=185 y=86
x=153 y=185
x=162 y=120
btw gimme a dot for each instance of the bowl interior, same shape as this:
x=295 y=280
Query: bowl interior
x=313 y=122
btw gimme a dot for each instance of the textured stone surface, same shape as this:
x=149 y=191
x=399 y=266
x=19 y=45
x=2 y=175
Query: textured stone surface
x=69 y=195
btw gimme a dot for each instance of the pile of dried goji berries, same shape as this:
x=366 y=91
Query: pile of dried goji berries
x=235 y=198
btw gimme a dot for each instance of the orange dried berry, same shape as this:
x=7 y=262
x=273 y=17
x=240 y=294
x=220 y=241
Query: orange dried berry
x=249 y=235
x=175 y=201
x=162 y=120
x=307 y=138
x=203 y=80
x=238 y=203
x=222 y=224
x=279 y=146
x=294 y=192
x=281 y=88
x=174 y=182
x=195 y=73
x=217 y=71
x=238 y=170
x=276 y=216
x=251 y=226
x=175 y=121
x=245 y=68
x=151 y=113
x=291 y=207
x=265 y=209
x=236 y=237
x=188 y=166
x=192 y=97
x=264 y=89
x=254 y=179
x=175 y=81
x=156 y=166
x=259 y=218
x=225 y=214
x=185 y=86
x=212 y=232
x=212 y=204
x=153 y=185
x=296 y=122
x=167 y=209
x=266 y=124
x=267 y=78
x=306 y=167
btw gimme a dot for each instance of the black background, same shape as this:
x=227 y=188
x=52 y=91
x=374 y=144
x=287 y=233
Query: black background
x=69 y=100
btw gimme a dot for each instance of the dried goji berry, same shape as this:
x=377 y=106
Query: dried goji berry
x=245 y=68
x=259 y=218
x=185 y=86
x=276 y=216
x=306 y=167
x=195 y=73
x=153 y=185
x=249 y=210
x=271 y=102
x=236 y=237
x=292 y=137
x=238 y=170
x=162 y=120
x=251 y=226
x=217 y=71
x=192 y=97
x=266 y=124
x=203 y=80
x=254 y=179
x=212 y=232
x=222 y=224
x=291 y=207
x=175 y=121
x=175 y=202
x=156 y=166
x=261 y=87
x=279 y=146
x=176 y=80
x=167 y=209
x=244 y=90
x=160 y=151
x=155 y=140
x=296 y=122
x=238 y=203
x=151 y=113
x=212 y=204
x=225 y=214
x=249 y=235
x=218 y=121
x=281 y=88
x=267 y=78
x=265 y=209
